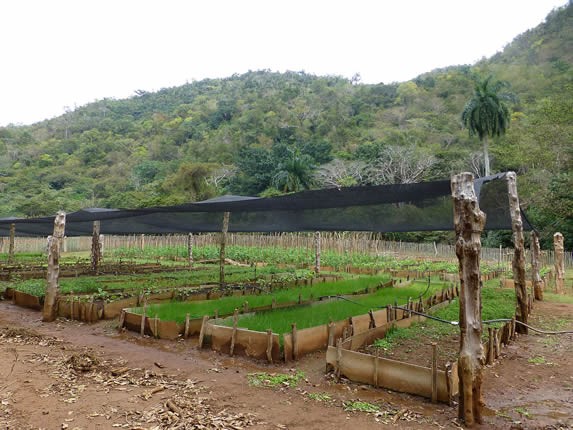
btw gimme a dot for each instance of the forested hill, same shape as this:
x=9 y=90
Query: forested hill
x=266 y=133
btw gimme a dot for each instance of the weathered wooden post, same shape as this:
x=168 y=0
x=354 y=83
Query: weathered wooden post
x=11 y=245
x=190 y=243
x=52 y=289
x=469 y=222
x=559 y=262
x=96 y=247
x=224 y=230
x=518 y=262
x=535 y=264
x=316 y=252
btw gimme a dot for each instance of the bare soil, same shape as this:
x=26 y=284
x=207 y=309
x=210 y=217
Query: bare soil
x=70 y=375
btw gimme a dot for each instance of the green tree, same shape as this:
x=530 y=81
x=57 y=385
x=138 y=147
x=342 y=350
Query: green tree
x=295 y=173
x=486 y=114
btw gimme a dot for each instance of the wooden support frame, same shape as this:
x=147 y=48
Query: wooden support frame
x=535 y=266
x=518 y=262
x=96 y=247
x=469 y=222
x=224 y=230
x=558 y=246
x=53 y=288
x=317 y=246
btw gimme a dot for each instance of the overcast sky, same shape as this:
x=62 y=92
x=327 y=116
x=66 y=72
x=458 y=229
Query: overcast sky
x=66 y=53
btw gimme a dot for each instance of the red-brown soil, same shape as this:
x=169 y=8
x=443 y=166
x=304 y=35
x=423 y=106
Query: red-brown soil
x=61 y=376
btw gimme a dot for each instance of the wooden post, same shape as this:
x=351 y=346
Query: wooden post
x=269 y=345
x=489 y=346
x=224 y=230
x=496 y=343
x=316 y=252
x=142 y=326
x=156 y=327
x=142 y=243
x=469 y=222
x=186 y=331
x=294 y=342
x=190 y=243
x=101 y=248
x=434 y=372
x=518 y=262
x=53 y=275
x=330 y=328
x=202 y=331
x=96 y=248
x=559 y=262
x=372 y=320
x=535 y=264
x=11 y=245
x=121 y=320
x=234 y=334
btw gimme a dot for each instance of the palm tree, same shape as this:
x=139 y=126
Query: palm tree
x=295 y=173
x=486 y=114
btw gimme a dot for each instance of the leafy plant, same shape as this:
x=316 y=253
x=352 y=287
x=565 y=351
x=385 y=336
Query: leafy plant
x=360 y=406
x=274 y=380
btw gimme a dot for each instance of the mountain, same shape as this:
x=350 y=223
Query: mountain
x=265 y=133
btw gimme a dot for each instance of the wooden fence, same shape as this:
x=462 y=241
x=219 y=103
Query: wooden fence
x=353 y=242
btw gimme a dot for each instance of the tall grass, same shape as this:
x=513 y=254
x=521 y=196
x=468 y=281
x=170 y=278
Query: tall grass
x=497 y=303
x=153 y=282
x=338 y=309
x=176 y=311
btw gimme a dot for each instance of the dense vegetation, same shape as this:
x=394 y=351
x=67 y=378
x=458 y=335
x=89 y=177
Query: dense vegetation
x=265 y=133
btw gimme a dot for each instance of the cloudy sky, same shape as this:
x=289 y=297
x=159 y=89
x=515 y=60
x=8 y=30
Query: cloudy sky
x=59 y=54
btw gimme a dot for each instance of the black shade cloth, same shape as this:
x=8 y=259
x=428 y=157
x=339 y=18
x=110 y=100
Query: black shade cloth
x=425 y=206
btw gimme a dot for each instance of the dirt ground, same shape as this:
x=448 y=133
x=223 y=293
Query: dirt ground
x=69 y=375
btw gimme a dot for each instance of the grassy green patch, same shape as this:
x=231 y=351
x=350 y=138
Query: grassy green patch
x=496 y=303
x=274 y=380
x=557 y=298
x=320 y=397
x=537 y=360
x=176 y=311
x=279 y=320
x=359 y=406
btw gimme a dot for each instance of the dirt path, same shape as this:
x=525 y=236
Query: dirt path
x=68 y=375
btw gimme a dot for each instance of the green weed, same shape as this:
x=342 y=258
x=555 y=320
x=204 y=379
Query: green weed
x=359 y=406
x=274 y=380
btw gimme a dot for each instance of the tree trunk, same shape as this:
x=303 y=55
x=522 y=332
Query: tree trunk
x=11 y=246
x=317 y=252
x=52 y=290
x=535 y=264
x=469 y=222
x=224 y=230
x=559 y=262
x=96 y=247
x=518 y=262
x=486 y=156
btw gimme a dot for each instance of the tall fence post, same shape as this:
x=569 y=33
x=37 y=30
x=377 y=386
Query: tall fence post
x=11 y=246
x=190 y=242
x=559 y=262
x=518 y=262
x=224 y=230
x=96 y=247
x=52 y=289
x=536 y=280
x=469 y=222
x=317 y=252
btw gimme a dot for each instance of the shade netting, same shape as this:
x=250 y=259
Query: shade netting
x=425 y=206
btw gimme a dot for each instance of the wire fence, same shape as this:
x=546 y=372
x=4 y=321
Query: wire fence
x=342 y=243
